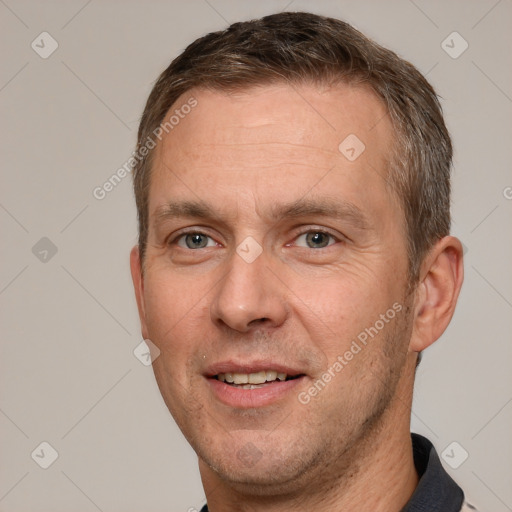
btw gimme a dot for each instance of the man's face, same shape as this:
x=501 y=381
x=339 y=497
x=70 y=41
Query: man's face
x=271 y=249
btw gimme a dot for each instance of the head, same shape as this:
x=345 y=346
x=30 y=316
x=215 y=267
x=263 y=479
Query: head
x=293 y=201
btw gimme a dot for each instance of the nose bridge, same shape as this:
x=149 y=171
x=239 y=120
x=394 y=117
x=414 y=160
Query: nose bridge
x=248 y=293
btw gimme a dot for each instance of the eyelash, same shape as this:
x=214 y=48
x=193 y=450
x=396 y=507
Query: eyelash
x=179 y=236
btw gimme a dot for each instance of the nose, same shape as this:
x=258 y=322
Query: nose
x=248 y=296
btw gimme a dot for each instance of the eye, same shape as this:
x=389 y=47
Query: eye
x=315 y=239
x=194 y=241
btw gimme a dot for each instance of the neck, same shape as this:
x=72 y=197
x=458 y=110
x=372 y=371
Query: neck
x=380 y=475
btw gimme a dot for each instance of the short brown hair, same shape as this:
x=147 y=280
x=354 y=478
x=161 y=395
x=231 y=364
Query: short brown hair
x=300 y=48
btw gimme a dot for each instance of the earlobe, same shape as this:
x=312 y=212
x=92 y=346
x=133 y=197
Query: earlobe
x=441 y=279
x=138 y=285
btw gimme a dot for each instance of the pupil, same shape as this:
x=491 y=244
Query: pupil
x=195 y=241
x=317 y=239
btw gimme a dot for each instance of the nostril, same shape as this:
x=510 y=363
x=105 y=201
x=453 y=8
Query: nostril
x=258 y=321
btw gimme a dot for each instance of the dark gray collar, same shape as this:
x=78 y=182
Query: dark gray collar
x=436 y=490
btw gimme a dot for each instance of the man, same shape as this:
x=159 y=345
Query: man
x=292 y=182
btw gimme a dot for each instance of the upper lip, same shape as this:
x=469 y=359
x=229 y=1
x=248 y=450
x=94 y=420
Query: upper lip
x=250 y=367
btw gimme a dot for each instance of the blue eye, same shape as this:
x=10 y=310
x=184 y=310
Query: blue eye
x=311 y=239
x=195 y=241
x=316 y=239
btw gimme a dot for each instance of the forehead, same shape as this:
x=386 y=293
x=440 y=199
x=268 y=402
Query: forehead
x=275 y=142
x=281 y=113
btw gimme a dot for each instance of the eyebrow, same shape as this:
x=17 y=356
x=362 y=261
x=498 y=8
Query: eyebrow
x=311 y=207
x=322 y=207
x=177 y=209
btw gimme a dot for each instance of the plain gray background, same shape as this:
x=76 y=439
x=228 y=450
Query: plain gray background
x=68 y=374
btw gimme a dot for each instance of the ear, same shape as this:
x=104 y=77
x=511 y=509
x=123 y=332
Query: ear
x=138 y=285
x=441 y=277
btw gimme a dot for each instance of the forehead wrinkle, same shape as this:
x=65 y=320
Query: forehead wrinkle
x=256 y=154
x=270 y=143
x=274 y=148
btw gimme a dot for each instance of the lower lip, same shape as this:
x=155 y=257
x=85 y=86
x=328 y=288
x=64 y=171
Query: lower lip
x=251 y=398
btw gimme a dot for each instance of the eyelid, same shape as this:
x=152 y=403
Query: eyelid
x=320 y=229
x=173 y=238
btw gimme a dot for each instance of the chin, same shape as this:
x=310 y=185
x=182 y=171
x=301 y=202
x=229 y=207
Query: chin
x=264 y=472
x=265 y=481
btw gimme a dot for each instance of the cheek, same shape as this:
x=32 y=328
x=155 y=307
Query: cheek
x=172 y=328
x=167 y=305
x=340 y=306
x=169 y=313
x=175 y=314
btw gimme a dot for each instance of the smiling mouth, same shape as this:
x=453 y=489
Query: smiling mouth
x=255 y=380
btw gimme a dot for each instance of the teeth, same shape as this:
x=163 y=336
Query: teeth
x=271 y=375
x=240 y=378
x=248 y=380
x=257 y=378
